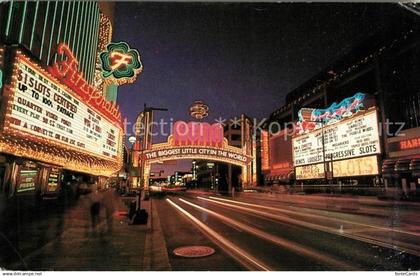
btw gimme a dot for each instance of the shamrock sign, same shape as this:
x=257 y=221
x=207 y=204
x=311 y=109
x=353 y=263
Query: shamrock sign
x=120 y=63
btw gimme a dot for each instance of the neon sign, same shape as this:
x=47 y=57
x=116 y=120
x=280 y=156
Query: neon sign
x=410 y=144
x=120 y=63
x=199 y=110
x=265 y=161
x=41 y=108
x=66 y=71
x=311 y=119
x=196 y=133
x=1 y=78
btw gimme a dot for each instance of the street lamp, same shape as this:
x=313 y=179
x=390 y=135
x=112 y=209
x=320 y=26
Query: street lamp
x=132 y=141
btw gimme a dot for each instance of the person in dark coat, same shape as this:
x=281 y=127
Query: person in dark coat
x=95 y=206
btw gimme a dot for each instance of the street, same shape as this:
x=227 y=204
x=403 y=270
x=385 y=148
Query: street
x=252 y=231
x=261 y=233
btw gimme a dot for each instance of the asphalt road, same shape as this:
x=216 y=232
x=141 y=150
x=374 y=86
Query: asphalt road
x=263 y=233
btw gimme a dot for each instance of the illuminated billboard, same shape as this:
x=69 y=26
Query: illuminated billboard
x=349 y=138
x=50 y=122
x=358 y=166
x=265 y=161
x=315 y=171
x=367 y=165
x=41 y=108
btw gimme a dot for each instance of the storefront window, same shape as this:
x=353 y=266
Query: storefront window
x=27 y=180
x=53 y=179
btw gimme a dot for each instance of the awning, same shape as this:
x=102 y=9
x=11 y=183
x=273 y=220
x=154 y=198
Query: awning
x=393 y=167
x=283 y=177
x=402 y=165
x=388 y=167
x=415 y=166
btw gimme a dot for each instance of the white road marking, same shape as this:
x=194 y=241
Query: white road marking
x=248 y=260
x=276 y=240
x=320 y=217
x=396 y=246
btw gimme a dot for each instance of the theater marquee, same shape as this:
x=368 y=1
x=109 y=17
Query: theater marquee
x=352 y=137
x=57 y=125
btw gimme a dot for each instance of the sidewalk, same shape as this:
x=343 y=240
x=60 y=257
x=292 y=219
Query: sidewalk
x=81 y=248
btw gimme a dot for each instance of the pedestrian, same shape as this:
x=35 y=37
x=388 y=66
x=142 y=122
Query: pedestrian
x=95 y=206
x=109 y=201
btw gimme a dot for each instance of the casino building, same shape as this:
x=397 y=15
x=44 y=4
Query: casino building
x=224 y=176
x=385 y=68
x=58 y=125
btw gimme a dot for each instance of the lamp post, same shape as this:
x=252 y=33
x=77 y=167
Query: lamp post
x=323 y=153
x=144 y=138
x=132 y=141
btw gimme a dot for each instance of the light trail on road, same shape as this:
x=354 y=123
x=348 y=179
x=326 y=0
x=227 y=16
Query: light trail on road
x=397 y=246
x=244 y=258
x=277 y=240
x=318 y=216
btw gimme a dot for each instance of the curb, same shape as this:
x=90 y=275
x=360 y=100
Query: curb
x=156 y=254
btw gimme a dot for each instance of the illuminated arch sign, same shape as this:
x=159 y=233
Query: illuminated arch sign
x=186 y=152
x=197 y=140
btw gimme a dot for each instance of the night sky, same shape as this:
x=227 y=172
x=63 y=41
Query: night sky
x=237 y=58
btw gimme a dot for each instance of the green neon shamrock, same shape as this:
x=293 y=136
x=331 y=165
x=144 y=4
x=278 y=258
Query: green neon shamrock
x=120 y=63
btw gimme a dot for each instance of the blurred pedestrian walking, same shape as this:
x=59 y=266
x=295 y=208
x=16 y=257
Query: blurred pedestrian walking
x=95 y=205
x=109 y=200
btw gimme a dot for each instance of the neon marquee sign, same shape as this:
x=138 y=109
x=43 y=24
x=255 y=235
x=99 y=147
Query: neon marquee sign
x=66 y=71
x=410 y=144
x=41 y=109
x=311 y=119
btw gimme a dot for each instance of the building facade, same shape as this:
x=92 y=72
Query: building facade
x=385 y=68
x=40 y=26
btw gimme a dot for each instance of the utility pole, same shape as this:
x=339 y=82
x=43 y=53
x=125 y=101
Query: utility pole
x=144 y=125
x=323 y=152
